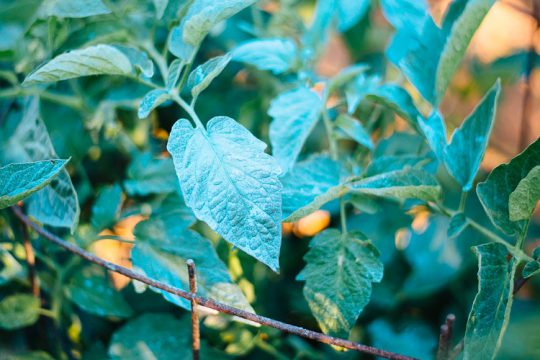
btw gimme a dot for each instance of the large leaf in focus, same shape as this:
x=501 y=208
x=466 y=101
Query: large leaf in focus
x=148 y=175
x=231 y=184
x=490 y=312
x=469 y=142
x=339 y=272
x=295 y=114
x=91 y=290
x=106 y=208
x=494 y=193
x=73 y=8
x=163 y=246
x=276 y=55
x=18 y=311
x=204 y=74
x=524 y=198
x=56 y=204
x=429 y=55
x=20 y=180
x=308 y=180
x=93 y=60
x=200 y=18
x=151 y=337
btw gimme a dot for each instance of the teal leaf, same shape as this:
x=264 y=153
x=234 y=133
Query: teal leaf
x=434 y=129
x=148 y=175
x=10 y=268
x=152 y=336
x=90 y=290
x=73 y=8
x=276 y=55
x=409 y=183
x=396 y=99
x=494 y=193
x=349 y=12
x=308 y=180
x=203 y=75
x=490 y=312
x=340 y=269
x=295 y=114
x=428 y=55
x=106 y=209
x=174 y=73
x=56 y=204
x=20 y=180
x=231 y=184
x=405 y=13
x=18 y=311
x=469 y=142
x=151 y=101
x=346 y=76
x=201 y=17
x=163 y=246
x=138 y=59
x=33 y=355
x=388 y=163
x=458 y=223
x=523 y=199
x=161 y=6
x=354 y=129
x=416 y=339
x=93 y=60
x=532 y=268
x=358 y=89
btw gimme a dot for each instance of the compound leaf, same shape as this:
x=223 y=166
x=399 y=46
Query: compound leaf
x=20 y=180
x=231 y=184
x=339 y=272
x=295 y=114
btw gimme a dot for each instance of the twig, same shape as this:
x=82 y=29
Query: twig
x=209 y=303
x=31 y=261
x=445 y=338
x=195 y=331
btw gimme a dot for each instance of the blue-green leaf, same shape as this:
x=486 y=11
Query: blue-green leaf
x=160 y=6
x=231 y=184
x=200 y=18
x=203 y=75
x=73 y=8
x=494 y=193
x=152 y=100
x=405 y=13
x=469 y=142
x=276 y=55
x=174 y=73
x=20 y=180
x=354 y=129
x=434 y=130
x=18 y=311
x=163 y=246
x=388 y=163
x=358 y=89
x=148 y=175
x=339 y=274
x=458 y=223
x=523 y=199
x=106 y=209
x=295 y=114
x=490 y=312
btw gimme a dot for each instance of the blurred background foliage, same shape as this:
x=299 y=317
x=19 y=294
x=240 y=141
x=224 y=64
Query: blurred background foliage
x=427 y=276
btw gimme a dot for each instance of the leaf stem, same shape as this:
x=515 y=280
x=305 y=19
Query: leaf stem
x=329 y=132
x=462 y=201
x=159 y=59
x=188 y=109
x=343 y=215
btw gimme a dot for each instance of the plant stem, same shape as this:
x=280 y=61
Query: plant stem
x=329 y=132
x=462 y=201
x=189 y=110
x=66 y=100
x=343 y=215
x=159 y=59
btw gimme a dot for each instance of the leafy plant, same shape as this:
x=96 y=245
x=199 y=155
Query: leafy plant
x=164 y=109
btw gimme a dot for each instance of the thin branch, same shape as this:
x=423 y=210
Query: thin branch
x=209 y=303
x=445 y=337
x=195 y=331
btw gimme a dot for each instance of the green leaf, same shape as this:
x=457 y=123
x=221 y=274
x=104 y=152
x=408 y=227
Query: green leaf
x=33 y=355
x=416 y=339
x=404 y=184
x=138 y=59
x=148 y=175
x=523 y=199
x=73 y=8
x=396 y=99
x=93 y=60
x=90 y=290
x=160 y=6
x=469 y=142
x=388 y=163
x=20 y=180
x=152 y=336
x=532 y=268
x=106 y=209
x=56 y=204
x=203 y=75
x=276 y=55
x=490 y=312
x=434 y=129
x=164 y=245
x=458 y=223
x=353 y=128
x=200 y=18
x=9 y=267
x=427 y=54
x=494 y=193
x=228 y=163
x=151 y=101
x=339 y=272
x=308 y=180
x=18 y=311
x=295 y=114
x=174 y=73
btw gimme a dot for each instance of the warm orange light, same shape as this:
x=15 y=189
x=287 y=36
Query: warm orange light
x=312 y=224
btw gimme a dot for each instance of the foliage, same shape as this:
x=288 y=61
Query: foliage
x=163 y=111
